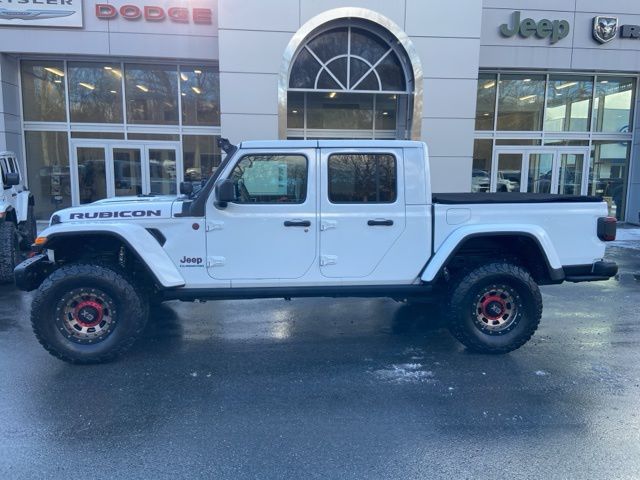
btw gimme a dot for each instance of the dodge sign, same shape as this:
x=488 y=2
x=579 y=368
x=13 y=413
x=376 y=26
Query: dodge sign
x=41 y=13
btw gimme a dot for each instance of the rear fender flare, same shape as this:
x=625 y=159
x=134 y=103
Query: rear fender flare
x=137 y=238
x=458 y=237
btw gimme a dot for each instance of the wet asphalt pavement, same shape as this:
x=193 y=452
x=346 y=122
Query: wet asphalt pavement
x=340 y=389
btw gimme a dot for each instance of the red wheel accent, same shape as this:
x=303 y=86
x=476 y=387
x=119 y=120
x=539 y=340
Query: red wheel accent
x=88 y=313
x=493 y=307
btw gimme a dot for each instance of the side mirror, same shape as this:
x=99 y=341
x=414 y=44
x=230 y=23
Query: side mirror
x=225 y=193
x=11 y=179
x=186 y=188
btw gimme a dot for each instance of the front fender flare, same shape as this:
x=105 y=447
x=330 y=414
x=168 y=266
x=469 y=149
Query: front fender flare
x=22 y=206
x=455 y=240
x=137 y=238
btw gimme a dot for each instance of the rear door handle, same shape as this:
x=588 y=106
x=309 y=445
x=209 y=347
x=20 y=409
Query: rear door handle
x=380 y=223
x=297 y=223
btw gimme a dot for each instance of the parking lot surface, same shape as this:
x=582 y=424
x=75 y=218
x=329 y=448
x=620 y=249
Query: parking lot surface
x=333 y=388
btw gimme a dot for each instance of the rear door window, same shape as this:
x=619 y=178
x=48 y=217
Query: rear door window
x=362 y=178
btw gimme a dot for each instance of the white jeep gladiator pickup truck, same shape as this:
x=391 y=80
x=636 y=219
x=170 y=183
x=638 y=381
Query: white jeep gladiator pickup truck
x=311 y=219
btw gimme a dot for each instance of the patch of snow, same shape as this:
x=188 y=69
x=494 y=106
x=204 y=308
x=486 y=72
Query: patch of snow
x=541 y=373
x=194 y=374
x=405 y=373
x=627 y=234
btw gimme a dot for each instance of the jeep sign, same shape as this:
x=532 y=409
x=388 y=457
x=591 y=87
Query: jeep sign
x=554 y=29
x=41 y=13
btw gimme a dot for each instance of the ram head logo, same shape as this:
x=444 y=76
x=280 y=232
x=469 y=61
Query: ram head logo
x=605 y=28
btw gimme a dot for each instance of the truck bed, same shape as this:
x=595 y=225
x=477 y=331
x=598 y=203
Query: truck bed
x=509 y=197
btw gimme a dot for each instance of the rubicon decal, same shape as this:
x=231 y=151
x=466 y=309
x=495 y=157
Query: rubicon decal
x=118 y=214
x=153 y=13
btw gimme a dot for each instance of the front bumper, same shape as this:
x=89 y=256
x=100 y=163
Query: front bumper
x=600 y=270
x=30 y=273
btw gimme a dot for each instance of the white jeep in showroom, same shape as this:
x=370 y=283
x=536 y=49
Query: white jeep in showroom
x=311 y=219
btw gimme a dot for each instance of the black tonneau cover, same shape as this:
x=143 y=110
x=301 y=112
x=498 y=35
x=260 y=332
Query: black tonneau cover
x=509 y=197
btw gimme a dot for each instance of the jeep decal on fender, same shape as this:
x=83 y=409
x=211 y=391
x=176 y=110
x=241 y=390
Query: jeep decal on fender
x=123 y=214
x=191 y=262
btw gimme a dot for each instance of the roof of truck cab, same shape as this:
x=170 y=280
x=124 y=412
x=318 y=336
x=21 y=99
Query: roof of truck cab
x=330 y=144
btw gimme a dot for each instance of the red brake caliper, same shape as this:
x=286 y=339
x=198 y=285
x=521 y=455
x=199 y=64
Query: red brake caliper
x=88 y=313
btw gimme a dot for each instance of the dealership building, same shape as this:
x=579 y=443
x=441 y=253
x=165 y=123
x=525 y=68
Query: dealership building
x=121 y=97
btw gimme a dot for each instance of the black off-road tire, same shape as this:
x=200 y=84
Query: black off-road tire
x=513 y=297
x=9 y=251
x=127 y=309
x=28 y=230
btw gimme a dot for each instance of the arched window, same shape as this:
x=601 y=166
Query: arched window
x=350 y=80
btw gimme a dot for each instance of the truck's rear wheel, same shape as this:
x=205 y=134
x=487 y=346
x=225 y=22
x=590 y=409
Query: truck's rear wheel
x=9 y=251
x=495 y=308
x=28 y=229
x=87 y=313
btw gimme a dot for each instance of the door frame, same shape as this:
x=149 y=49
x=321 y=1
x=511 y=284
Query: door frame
x=527 y=150
x=109 y=146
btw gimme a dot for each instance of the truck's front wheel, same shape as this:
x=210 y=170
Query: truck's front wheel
x=87 y=313
x=495 y=308
x=9 y=250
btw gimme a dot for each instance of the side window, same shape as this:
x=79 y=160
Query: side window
x=3 y=169
x=271 y=179
x=362 y=178
x=13 y=165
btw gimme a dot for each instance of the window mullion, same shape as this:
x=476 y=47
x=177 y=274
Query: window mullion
x=325 y=68
x=373 y=67
x=349 y=57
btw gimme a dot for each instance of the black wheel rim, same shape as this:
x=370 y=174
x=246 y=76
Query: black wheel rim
x=496 y=309
x=86 y=315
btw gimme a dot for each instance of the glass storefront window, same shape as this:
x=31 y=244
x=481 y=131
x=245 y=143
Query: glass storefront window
x=481 y=173
x=486 y=101
x=356 y=83
x=43 y=98
x=567 y=143
x=201 y=157
x=162 y=171
x=612 y=108
x=151 y=93
x=608 y=173
x=95 y=92
x=92 y=183
x=339 y=111
x=568 y=103
x=518 y=141
x=127 y=171
x=386 y=112
x=295 y=110
x=520 y=102
x=48 y=171
x=200 y=87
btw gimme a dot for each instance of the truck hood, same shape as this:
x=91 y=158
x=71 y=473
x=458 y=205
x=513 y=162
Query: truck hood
x=120 y=208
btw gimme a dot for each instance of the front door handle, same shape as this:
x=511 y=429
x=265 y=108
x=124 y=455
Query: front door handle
x=380 y=223
x=297 y=223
